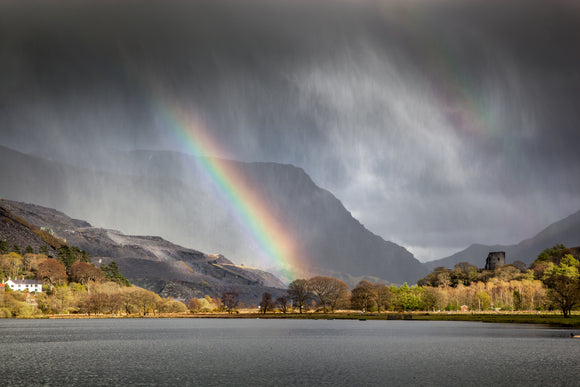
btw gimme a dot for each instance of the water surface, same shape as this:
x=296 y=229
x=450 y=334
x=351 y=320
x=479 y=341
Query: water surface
x=284 y=352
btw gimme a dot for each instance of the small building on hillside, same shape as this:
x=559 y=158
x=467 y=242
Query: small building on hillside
x=494 y=260
x=22 y=285
x=464 y=308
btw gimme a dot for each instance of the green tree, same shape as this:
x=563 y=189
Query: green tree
x=111 y=272
x=563 y=283
x=69 y=255
x=43 y=250
x=548 y=254
x=4 y=249
x=482 y=301
x=407 y=298
x=16 y=249
x=464 y=272
x=430 y=298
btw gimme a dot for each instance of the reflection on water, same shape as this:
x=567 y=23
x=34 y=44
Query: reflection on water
x=282 y=352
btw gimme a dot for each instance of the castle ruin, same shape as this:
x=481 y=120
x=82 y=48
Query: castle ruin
x=494 y=260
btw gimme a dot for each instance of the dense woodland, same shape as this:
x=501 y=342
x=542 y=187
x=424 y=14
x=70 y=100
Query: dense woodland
x=73 y=285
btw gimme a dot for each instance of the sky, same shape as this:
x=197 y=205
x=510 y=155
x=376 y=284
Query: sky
x=438 y=123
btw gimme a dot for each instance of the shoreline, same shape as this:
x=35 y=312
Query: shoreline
x=550 y=319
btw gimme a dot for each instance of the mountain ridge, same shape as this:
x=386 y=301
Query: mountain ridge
x=168 y=194
x=565 y=231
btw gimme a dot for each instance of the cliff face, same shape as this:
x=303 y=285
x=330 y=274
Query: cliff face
x=169 y=194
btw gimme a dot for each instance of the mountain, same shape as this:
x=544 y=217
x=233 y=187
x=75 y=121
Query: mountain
x=565 y=231
x=151 y=262
x=169 y=194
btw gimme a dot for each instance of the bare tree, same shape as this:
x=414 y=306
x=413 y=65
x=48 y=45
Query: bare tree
x=298 y=292
x=363 y=296
x=95 y=303
x=521 y=266
x=321 y=286
x=282 y=304
x=339 y=296
x=331 y=292
x=384 y=297
x=266 y=304
x=52 y=272
x=230 y=300
x=83 y=272
x=194 y=305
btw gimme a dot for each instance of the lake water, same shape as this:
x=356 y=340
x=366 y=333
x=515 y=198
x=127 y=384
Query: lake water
x=217 y=352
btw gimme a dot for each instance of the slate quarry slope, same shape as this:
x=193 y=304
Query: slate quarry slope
x=149 y=261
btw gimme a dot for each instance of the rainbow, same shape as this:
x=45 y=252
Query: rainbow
x=243 y=197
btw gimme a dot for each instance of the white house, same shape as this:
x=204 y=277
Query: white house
x=22 y=285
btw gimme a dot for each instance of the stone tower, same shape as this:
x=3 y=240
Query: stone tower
x=494 y=260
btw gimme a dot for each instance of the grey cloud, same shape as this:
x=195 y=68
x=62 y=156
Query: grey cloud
x=438 y=123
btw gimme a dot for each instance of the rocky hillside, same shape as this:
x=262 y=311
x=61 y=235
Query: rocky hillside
x=151 y=262
x=565 y=231
x=16 y=231
x=169 y=194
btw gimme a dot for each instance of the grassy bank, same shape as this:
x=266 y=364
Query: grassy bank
x=520 y=318
x=550 y=319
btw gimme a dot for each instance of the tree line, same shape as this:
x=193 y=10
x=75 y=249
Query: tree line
x=71 y=283
x=552 y=282
x=74 y=285
x=71 y=265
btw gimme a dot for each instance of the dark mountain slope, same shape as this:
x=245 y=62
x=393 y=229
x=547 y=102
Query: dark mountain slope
x=16 y=231
x=565 y=231
x=169 y=194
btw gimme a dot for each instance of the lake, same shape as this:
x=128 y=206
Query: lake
x=218 y=352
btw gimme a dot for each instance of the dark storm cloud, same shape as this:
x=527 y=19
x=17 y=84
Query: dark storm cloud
x=438 y=123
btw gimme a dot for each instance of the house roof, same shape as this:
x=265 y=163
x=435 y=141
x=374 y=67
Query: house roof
x=26 y=282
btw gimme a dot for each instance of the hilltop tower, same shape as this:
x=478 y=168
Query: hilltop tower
x=494 y=260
